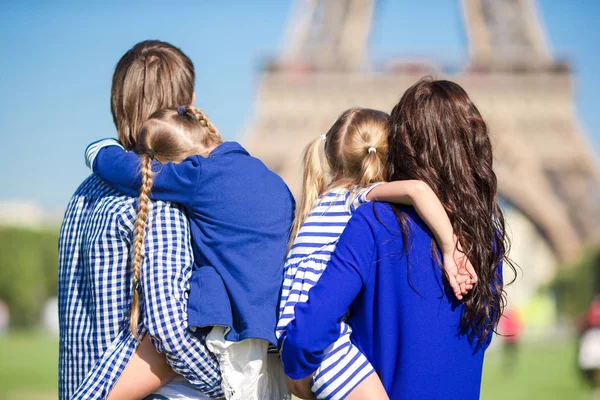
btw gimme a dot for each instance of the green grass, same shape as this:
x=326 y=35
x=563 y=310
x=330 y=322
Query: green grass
x=541 y=372
x=28 y=370
x=28 y=366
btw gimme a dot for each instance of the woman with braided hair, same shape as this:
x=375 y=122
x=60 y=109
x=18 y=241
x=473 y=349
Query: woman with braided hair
x=240 y=215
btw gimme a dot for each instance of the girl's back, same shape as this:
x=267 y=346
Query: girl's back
x=325 y=223
x=240 y=226
x=313 y=246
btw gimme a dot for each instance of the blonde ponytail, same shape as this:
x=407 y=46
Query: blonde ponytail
x=352 y=154
x=314 y=183
x=373 y=164
x=138 y=244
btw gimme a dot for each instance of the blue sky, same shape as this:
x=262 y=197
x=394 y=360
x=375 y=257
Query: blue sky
x=57 y=60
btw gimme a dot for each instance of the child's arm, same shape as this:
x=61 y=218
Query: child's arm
x=146 y=371
x=418 y=194
x=301 y=387
x=370 y=388
x=121 y=169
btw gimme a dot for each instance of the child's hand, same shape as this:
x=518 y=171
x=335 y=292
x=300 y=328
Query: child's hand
x=459 y=271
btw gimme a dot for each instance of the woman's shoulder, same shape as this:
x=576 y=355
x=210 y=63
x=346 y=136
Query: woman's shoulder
x=384 y=216
x=377 y=211
x=375 y=214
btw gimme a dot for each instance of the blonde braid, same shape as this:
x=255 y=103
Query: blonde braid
x=198 y=115
x=138 y=244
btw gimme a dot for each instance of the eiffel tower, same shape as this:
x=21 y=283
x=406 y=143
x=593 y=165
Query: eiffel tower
x=546 y=168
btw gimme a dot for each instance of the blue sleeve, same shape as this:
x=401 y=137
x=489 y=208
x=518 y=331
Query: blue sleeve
x=172 y=182
x=317 y=322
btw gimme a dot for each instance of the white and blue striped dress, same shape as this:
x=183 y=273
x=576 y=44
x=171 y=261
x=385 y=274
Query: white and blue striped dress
x=344 y=366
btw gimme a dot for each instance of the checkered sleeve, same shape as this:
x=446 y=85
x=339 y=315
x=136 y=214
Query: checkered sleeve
x=165 y=275
x=103 y=376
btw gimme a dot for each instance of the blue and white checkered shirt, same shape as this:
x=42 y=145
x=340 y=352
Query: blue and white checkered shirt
x=95 y=293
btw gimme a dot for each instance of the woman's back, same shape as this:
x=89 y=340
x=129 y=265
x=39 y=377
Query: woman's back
x=406 y=319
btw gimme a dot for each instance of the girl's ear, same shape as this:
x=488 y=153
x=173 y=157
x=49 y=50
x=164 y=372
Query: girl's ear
x=193 y=98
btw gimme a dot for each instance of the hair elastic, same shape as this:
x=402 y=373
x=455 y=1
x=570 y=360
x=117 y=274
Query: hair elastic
x=150 y=153
x=181 y=110
x=372 y=150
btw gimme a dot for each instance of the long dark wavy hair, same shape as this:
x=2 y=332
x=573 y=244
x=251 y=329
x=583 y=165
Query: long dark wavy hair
x=437 y=135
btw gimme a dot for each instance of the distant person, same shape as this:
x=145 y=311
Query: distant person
x=95 y=279
x=50 y=316
x=240 y=216
x=4 y=317
x=589 y=346
x=384 y=272
x=342 y=170
x=510 y=328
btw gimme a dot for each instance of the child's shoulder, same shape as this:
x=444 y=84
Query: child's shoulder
x=228 y=148
x=334 y=195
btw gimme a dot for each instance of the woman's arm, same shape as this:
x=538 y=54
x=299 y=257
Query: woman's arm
x=146 y=371
x=316 y=324
x=418 y=194
x=121 y=169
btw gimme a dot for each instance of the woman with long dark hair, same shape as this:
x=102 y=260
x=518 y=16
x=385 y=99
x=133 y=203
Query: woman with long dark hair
x=421 y=340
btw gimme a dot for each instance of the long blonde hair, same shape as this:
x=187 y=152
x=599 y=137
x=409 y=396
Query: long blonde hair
x=351 y=154
x=171 y=134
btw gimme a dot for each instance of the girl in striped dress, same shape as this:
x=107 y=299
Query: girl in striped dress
x=342 y=170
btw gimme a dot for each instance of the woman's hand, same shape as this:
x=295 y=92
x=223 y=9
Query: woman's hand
x=459 y=271
x=301 y=387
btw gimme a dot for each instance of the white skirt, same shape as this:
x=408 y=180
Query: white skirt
x=248 y=370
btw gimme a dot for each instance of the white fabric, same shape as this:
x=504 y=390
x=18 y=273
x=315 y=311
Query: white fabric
x=589 y=350
x=180 y=389
x=248 y=371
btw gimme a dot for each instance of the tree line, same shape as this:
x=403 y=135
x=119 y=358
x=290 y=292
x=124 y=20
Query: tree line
x=28 y=272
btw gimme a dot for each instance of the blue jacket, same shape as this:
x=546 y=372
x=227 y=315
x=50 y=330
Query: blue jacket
x=240 y=215
x=404 y=316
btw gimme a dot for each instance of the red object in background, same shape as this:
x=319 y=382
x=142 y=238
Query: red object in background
x=593 y=315
x=510 y=326
x=591 y=319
